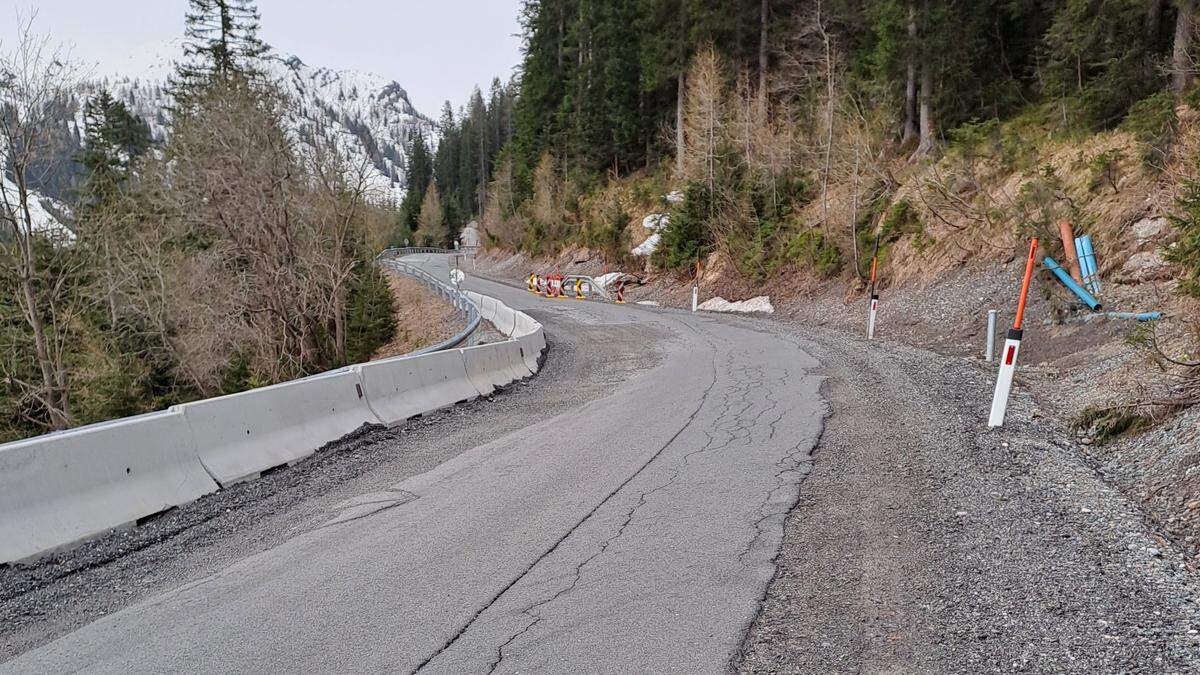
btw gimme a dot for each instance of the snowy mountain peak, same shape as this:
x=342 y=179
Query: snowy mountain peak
x=367 y=116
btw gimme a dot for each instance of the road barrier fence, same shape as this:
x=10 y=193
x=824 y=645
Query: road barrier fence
x=65 y=487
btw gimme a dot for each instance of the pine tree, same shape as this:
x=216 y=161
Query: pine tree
x=113 y=140
x=220 y=43
x=1095 y=53
x=417 y=177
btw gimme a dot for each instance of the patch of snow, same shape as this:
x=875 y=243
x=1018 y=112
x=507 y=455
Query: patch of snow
x=43 y=221
x=718 y=304
x=647 y=247
x=675 y=197
x=648 y=303
x=608 y=280
x=656 y=222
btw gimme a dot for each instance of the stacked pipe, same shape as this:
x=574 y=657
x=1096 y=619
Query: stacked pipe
x=1087 y=263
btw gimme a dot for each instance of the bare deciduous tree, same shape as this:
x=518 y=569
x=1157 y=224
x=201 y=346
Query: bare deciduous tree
x=432 y=230
x=36 y=80
x=704 y=119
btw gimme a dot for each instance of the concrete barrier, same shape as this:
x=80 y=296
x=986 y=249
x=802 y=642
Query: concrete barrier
x=405 y=386
x=66 y=487
x=531 y=351
x=488 y=367
x=516 y=360
x=241 y=435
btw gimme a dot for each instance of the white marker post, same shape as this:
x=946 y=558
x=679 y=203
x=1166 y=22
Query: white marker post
x=1012 y=346
x=696 y=289
x=874 y=301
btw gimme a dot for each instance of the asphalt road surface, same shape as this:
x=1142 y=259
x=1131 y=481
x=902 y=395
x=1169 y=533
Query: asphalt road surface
x=634 y=531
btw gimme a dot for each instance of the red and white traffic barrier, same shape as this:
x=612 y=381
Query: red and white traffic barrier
x=1012 y=347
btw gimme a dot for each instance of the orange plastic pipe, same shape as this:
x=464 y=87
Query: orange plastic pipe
x=1025 y=285
x=1068 y=241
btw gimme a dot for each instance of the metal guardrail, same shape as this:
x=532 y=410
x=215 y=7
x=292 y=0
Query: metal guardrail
x=456 y=297
x=412 y=250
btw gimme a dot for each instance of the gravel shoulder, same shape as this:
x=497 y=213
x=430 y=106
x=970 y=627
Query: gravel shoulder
x=923 y=542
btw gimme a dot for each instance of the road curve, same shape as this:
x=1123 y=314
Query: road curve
x=635 y=533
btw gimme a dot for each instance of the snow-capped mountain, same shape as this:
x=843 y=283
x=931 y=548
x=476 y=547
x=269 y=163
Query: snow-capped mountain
x=366 y=116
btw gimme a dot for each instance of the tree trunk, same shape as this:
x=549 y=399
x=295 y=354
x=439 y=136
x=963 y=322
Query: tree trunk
x=910 y=86
x=1153 y=21
x=1181 y=58
x=762 y=50
x=562 y=35
x=926 y=105
x=679 y=140
x=339 y=327
x=854 y=218
x=829 y=94
x=52 y=397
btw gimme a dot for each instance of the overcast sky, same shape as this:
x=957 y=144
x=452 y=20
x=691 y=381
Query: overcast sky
x=436 y=49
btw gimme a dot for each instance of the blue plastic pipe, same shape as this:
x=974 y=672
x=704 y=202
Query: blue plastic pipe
x=1138 y=316
x=1075 y=288
x=1091 y=257
x=1083 y=266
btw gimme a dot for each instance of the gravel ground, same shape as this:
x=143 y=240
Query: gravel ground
x=42 y=601
x=923 y=542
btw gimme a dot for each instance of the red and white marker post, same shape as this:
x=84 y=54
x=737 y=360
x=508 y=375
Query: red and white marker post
x=874 y=301
x=1012 y=346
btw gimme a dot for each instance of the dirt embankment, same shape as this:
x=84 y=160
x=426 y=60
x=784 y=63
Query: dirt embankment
x=423 y=317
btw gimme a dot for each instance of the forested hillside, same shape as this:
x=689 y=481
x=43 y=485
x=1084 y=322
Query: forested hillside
x=761 y=109
x=233 y=249
x=798 y=138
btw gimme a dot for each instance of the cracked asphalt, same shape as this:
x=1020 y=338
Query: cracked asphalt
x=633 y=528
